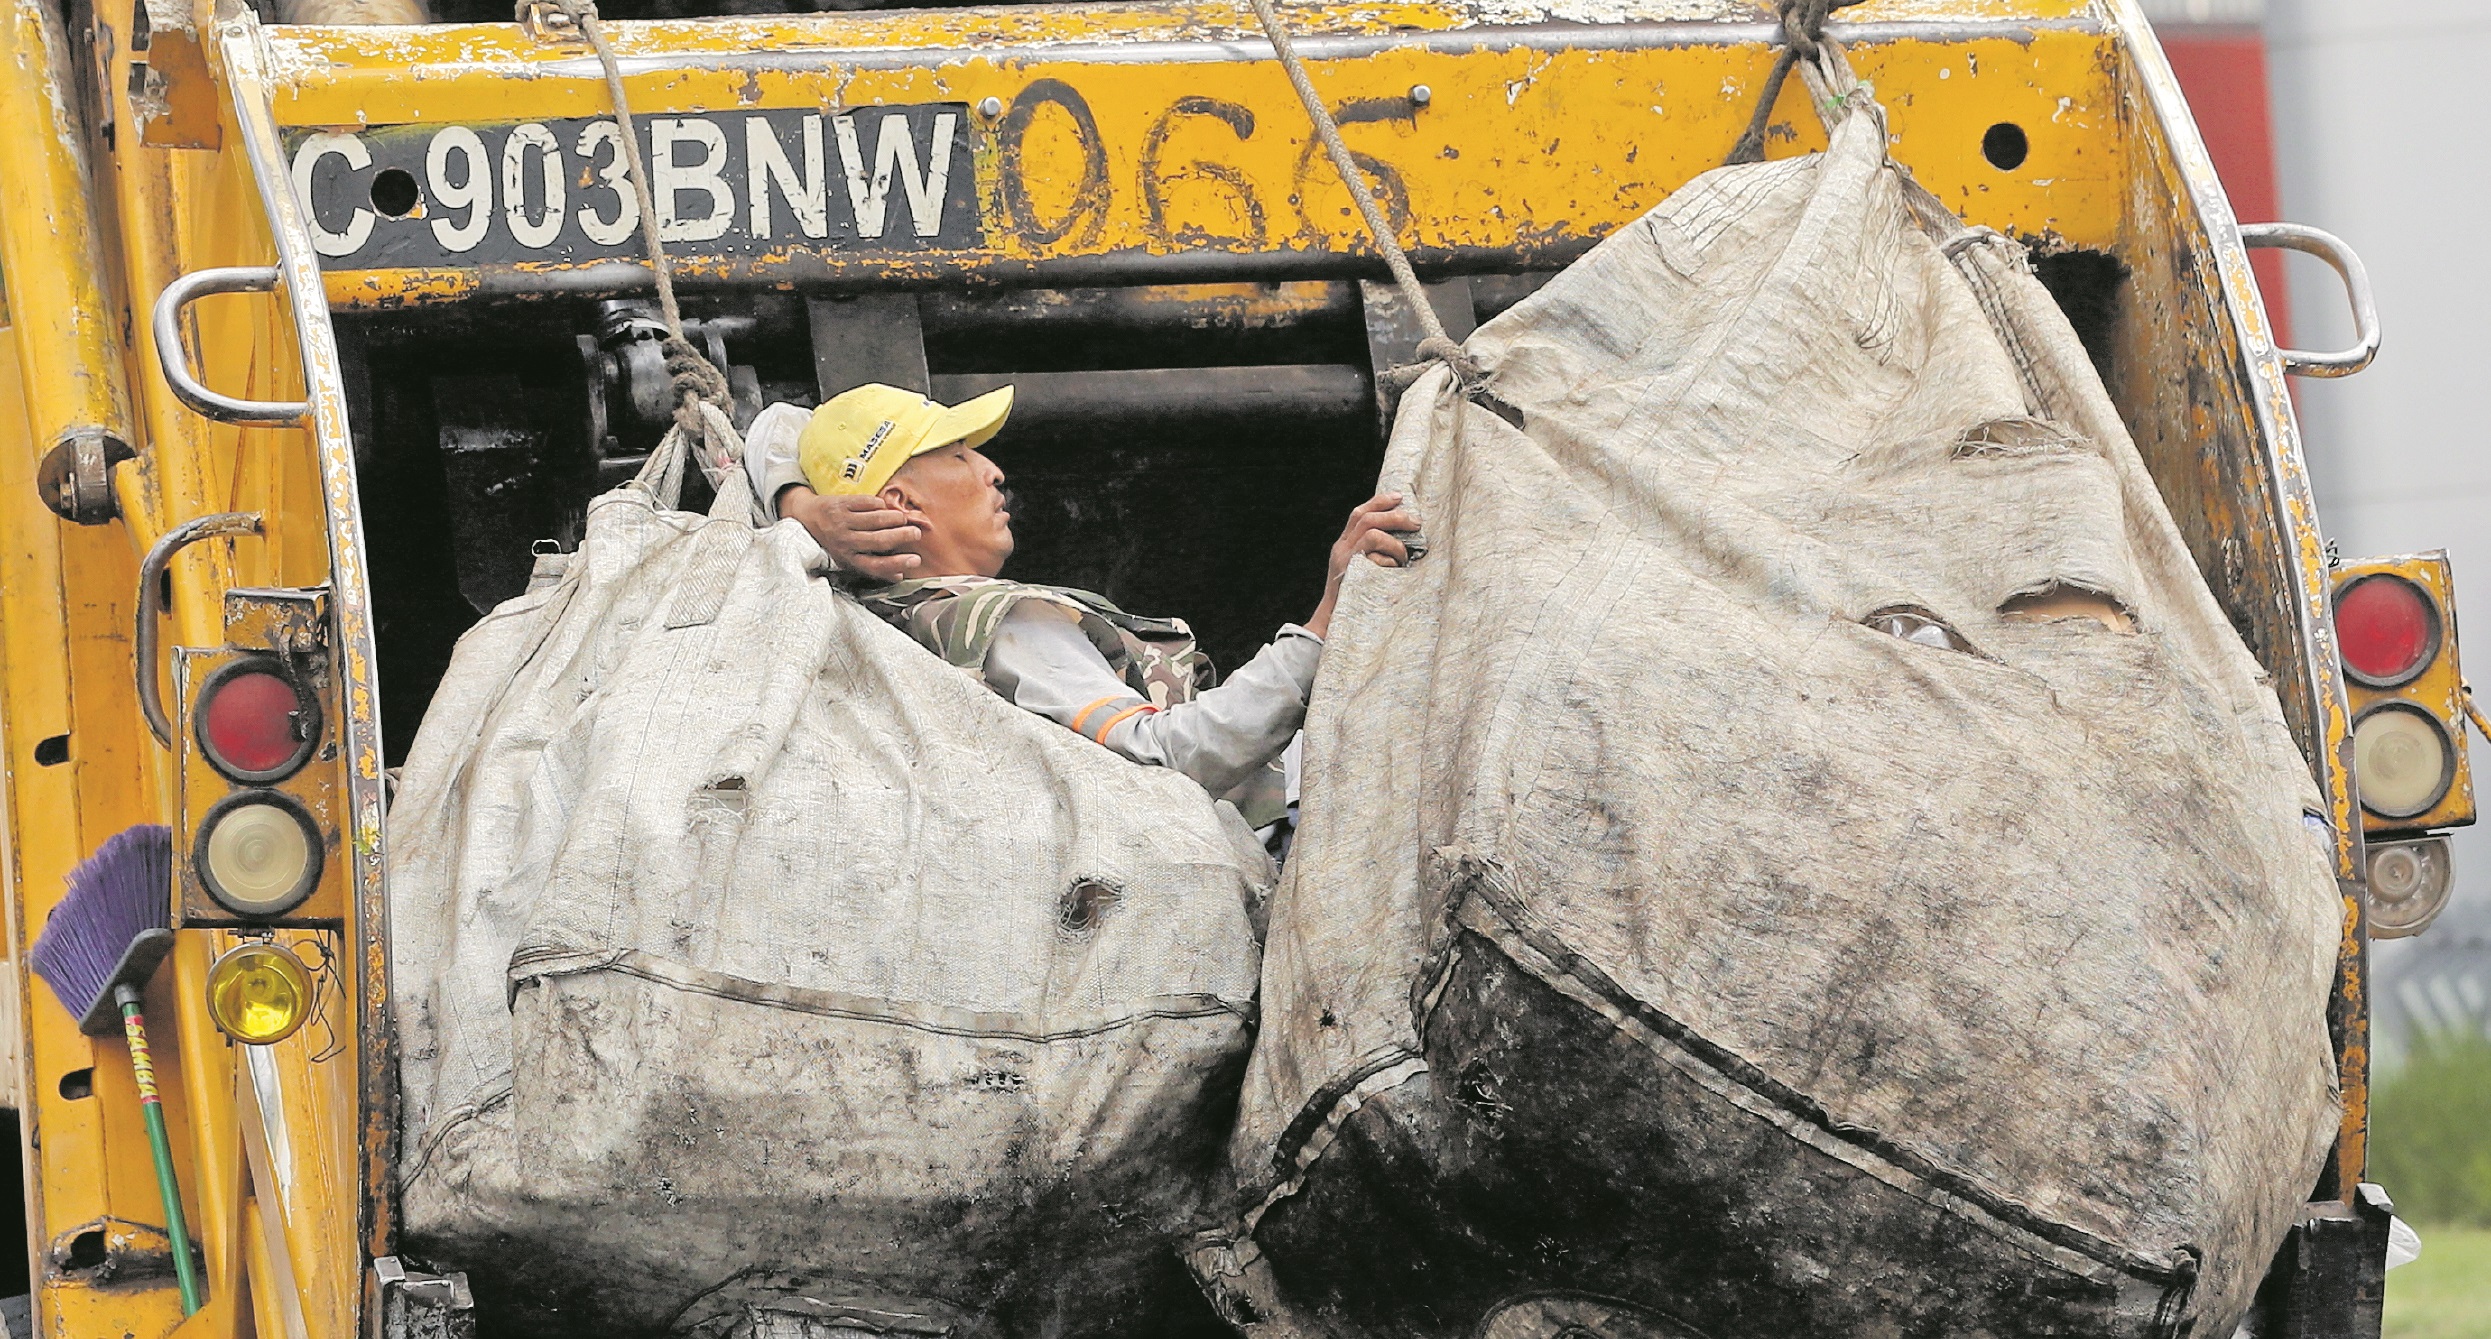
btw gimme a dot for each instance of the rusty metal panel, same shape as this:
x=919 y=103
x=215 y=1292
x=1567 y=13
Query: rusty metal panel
x=1158 y=143
x=334 y=1259
x=2197 y=376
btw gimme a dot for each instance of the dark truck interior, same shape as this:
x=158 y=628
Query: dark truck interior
x=1186 y=450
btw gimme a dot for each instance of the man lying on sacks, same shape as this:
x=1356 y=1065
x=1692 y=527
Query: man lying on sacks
x=894 y=487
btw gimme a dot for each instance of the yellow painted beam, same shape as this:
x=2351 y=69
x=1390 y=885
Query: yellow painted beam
x=64 y=325
x=1125 y=132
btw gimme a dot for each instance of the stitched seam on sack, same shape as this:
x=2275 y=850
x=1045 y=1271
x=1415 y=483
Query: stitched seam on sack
x=1318 y=1110
x=936 y=1019
x=717 y=555
x=1507 y=943
x=1341 y=1099
x=1542 y=941
x=1985 y=291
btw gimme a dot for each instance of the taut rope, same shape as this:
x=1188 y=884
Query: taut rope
x=1437 y=344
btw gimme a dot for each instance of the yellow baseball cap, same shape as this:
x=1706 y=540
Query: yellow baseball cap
x=854 y=443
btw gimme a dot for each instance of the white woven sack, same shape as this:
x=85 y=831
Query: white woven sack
x=1670 y=949
x=747 y=955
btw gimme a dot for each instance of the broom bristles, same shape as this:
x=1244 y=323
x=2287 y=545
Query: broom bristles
x=122 y=891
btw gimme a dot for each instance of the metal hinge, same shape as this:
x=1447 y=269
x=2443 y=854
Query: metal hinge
x=423 y=1306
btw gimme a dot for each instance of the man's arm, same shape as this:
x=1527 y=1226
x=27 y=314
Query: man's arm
x=1376 y=528
x=859 y=533
x=1043 y=662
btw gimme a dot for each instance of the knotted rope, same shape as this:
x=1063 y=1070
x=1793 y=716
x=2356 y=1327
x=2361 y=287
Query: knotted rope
x=698 y=388
x=1437 y=345
x=1803 y=38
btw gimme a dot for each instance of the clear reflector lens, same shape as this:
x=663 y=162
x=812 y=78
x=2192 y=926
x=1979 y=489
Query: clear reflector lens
x=259 y=993
x=259 y=856
x=2408 y=885
x=2388 y=629
x=2402 y=761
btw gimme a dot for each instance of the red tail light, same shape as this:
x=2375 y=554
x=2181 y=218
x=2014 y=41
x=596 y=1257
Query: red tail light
x=2388 y=627
x=255 y=724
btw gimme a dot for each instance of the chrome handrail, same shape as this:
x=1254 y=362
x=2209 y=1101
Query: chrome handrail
x=2330 y=248
x=151 y=604
x=174 y=356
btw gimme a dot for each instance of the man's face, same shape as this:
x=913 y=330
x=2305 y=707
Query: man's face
x=955 y=494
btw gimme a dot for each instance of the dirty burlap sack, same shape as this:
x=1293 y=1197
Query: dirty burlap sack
x=1714 y=915
x=755 y=970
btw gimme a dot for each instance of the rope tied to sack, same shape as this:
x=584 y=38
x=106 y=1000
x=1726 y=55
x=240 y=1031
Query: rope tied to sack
x=693 y=378
x=1803 y=38
x=1437 y=345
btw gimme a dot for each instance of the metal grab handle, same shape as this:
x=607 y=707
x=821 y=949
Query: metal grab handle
x=151 y=603
x=175 y=358
x=2330 y=248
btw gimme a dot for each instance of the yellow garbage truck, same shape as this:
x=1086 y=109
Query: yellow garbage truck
x=315 y=328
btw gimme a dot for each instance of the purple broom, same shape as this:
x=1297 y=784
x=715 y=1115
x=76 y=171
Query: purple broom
x=97 y=950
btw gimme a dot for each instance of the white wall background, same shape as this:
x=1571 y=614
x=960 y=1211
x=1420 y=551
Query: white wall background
x=2382 y=140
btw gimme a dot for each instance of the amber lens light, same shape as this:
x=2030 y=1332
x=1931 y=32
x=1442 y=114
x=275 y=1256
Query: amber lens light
x=2388 y=629
x=253 y=724
x=259 y=993
x=259 y=854
x=2402 y=760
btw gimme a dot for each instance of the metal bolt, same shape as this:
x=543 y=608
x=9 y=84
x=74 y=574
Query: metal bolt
x=1421 y=95
x=990 y=107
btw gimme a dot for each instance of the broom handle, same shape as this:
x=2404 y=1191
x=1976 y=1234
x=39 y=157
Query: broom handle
x=143 y=1069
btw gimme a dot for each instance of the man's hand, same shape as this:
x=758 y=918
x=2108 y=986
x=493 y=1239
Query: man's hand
x=859 y=533
x=1375 y=529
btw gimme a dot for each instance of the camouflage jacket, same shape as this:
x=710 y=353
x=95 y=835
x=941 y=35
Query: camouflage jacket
x=956 y=618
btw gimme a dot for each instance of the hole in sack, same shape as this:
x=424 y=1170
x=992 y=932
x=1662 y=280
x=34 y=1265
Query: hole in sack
x=393 y=192
x=726 y=795
x=86 y=1250
x=1917 y=626
x=1476 y=1089
x=52 y=752
x=78 y=1084
x=2005 y=146
x=2061 y=602
x=1085 y=904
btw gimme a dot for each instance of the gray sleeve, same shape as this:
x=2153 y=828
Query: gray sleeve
x=780 y=475
x=770 y=451
x=1043 y=662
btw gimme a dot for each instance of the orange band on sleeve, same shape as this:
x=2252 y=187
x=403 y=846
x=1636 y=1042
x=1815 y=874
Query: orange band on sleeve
x=1082 y=717
x=1120 y=718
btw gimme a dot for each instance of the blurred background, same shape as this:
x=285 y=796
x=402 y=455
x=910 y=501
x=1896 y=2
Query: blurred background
x=2358 y=116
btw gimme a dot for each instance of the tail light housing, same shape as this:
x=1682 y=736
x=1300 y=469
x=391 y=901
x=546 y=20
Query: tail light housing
x=2395 y=629
x=257 y=844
